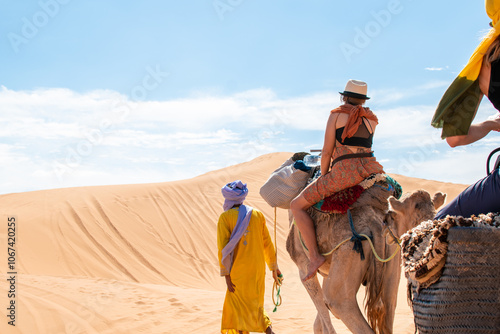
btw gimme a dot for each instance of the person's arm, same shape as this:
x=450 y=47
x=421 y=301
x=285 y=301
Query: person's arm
x=476 y=132
x=267 y=243
x=329 y=144
x=223 y=236
x=480 y=130
x=270 y=255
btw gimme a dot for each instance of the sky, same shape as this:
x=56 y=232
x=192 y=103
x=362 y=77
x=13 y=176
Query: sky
x=123 y=92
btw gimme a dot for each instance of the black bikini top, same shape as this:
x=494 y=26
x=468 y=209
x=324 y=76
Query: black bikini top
x=362 y=137
x=494 y=88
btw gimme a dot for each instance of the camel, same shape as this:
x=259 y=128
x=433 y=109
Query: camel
x=344 y=271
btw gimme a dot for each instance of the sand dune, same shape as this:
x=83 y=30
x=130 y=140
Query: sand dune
x=142 y=258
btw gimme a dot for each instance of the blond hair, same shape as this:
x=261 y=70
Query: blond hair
x=493 y=52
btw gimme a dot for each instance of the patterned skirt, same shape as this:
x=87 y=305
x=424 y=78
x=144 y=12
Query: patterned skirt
x=344 y=174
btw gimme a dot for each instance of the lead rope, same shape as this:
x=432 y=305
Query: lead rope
x=277 y=283
x=398 y=242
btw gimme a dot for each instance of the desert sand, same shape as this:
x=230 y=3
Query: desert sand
x=142 y=258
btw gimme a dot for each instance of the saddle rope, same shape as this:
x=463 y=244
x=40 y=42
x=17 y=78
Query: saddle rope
x=369 y=241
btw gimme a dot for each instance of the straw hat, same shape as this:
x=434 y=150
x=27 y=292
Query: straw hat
x=356 y=89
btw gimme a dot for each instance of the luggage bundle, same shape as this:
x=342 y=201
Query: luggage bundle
x=286 y=182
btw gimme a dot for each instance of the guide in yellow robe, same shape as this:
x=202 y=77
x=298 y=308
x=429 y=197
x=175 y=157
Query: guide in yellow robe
x=243 y=309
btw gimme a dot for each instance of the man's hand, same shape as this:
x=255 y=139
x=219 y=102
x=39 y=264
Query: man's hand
x=229 y=283
x=495 y=122
x=278 y=277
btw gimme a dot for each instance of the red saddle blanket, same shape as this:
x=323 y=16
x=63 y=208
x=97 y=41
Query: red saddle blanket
x=340 y=201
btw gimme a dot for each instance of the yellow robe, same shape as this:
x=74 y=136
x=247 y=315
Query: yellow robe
x=244 y=309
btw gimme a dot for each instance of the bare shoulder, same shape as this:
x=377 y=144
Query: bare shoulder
x=341 y=119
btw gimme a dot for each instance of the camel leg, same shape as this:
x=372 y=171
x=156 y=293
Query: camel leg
x=323 y=323
x=341 y=286
x=390 y=294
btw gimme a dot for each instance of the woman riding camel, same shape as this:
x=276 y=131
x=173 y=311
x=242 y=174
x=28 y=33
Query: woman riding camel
x=346 y=160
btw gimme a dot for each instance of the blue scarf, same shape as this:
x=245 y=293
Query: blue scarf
x=234 y=194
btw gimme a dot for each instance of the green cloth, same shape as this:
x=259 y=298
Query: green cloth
x=459 y=104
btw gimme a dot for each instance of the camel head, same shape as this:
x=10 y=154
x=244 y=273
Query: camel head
x=413 y=209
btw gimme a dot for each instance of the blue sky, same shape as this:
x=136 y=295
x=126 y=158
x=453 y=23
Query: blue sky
x=119 y=92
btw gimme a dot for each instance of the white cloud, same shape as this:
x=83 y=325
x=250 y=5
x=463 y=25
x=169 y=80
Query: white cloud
x=55 y=138
x=30 y=127
x=141 y=138
x=391 y=96
x=409 y=124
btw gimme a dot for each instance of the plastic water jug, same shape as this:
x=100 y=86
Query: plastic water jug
x=312 y=160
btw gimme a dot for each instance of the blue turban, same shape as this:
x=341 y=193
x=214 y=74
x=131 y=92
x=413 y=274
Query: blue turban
x=234 y=193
